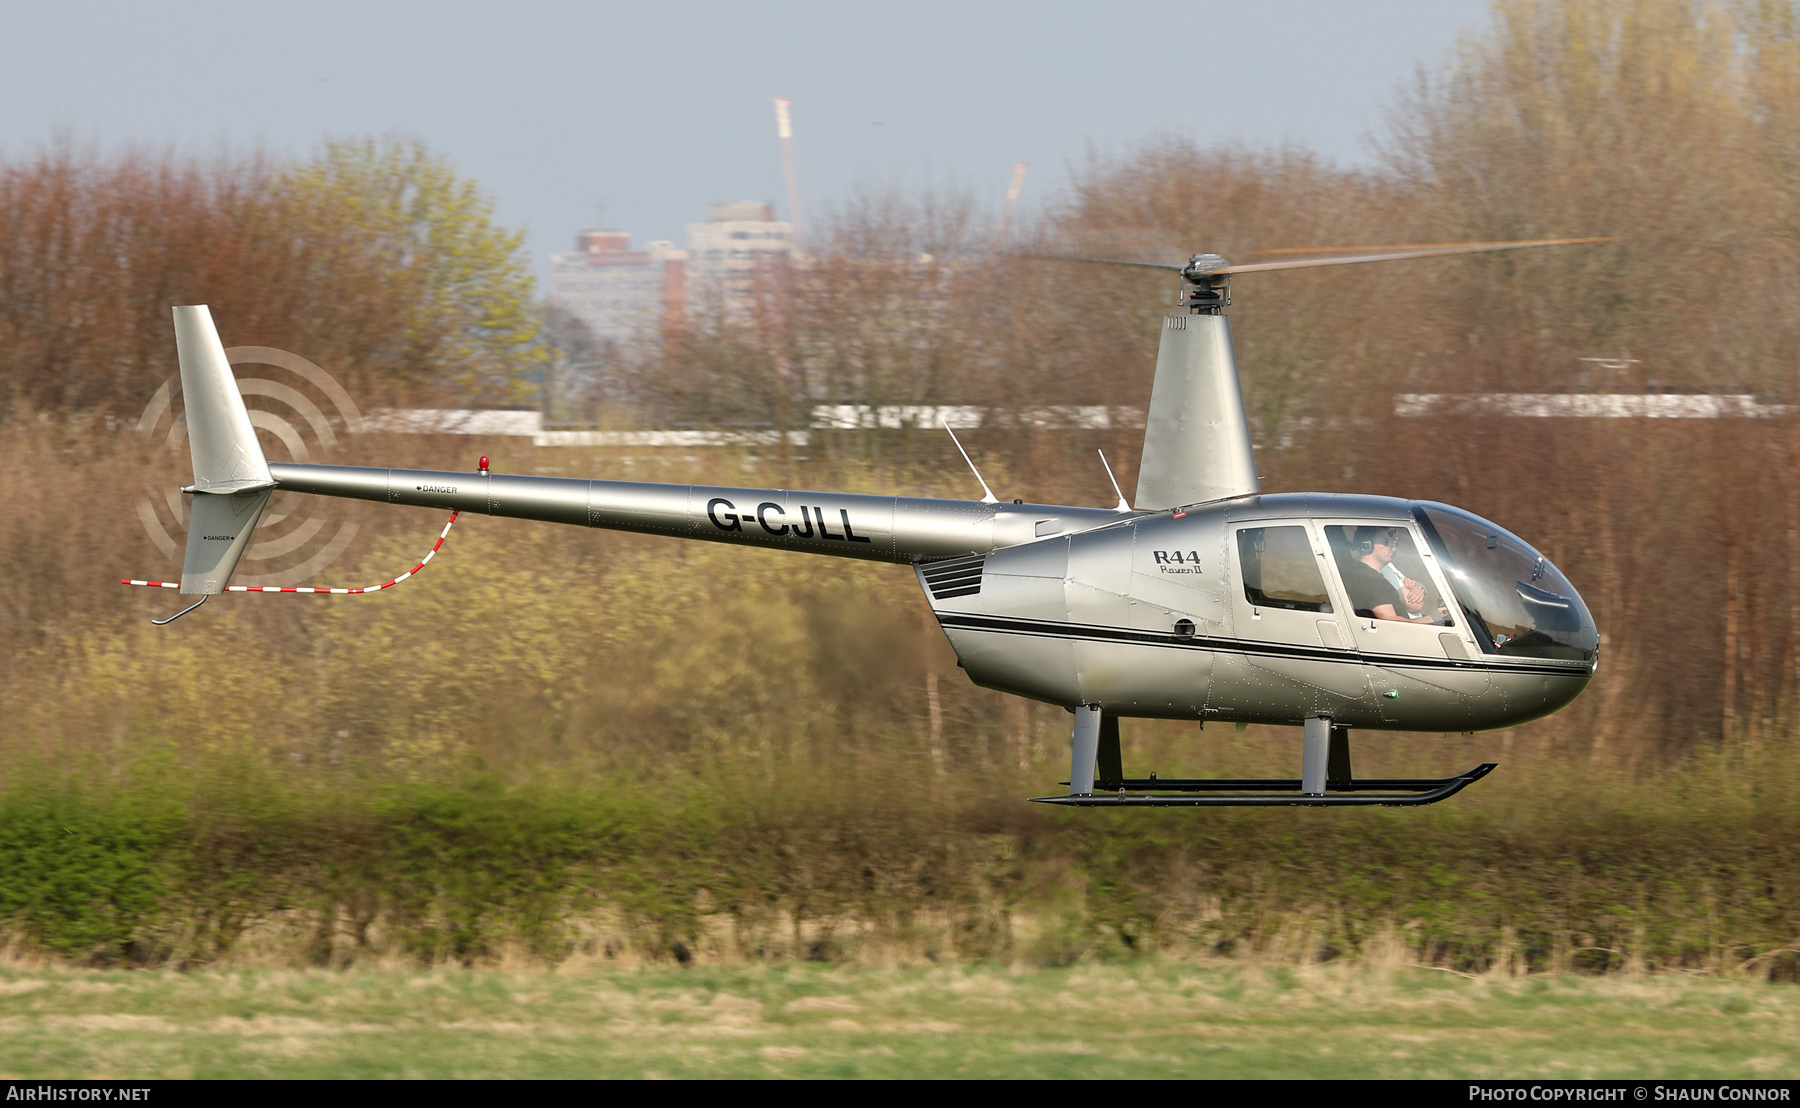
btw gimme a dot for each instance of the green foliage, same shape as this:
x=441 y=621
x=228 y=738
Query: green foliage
x=81 y=874
x=727 y=864
x=471 y=864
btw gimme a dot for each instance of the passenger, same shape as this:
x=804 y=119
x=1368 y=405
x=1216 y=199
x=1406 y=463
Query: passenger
x=1371 y=594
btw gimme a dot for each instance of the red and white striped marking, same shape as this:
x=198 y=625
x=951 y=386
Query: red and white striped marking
x=423 y=562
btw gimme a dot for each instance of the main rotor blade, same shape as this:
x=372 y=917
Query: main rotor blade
x=1400 y=253
x=1101 y=261
x=1412 y=246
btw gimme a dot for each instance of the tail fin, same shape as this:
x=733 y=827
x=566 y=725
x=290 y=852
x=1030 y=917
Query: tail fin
x=231 y=476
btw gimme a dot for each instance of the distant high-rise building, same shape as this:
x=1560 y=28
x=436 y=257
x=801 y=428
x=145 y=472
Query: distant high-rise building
x=740 y=253
x=625 y=296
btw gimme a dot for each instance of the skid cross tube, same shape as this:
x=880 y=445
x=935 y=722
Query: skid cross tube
x=1386 y=791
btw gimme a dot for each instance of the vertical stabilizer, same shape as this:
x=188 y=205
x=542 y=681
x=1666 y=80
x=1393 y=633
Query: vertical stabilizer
x=227 y=457
x=1197 y=439
x=231 y=476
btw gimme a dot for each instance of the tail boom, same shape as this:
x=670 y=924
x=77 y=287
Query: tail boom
x=847 y=525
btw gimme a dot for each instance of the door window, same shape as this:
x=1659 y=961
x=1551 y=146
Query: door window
x=1384 y=577
x=1280 y=569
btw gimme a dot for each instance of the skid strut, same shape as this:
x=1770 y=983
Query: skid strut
x=1097 y=778
x=1133 y=792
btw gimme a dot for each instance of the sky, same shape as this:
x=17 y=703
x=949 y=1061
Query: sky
x=637 y=116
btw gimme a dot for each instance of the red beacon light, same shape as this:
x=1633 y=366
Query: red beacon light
x=484 y=466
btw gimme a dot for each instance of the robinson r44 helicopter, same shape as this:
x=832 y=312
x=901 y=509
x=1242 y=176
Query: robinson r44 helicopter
x=1205 y=599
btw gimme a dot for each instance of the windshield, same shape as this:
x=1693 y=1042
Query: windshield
x=1526 y=607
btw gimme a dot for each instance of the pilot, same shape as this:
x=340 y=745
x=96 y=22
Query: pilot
x=1366 y=580
x=1411 y=592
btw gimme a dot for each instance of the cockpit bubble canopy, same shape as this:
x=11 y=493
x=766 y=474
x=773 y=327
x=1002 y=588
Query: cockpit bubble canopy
x=1520 y=603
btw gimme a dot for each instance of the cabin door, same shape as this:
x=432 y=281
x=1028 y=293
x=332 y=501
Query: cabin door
x=1285 y=620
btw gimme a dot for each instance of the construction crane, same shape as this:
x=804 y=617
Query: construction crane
x=1012 y=201
x=784 y=129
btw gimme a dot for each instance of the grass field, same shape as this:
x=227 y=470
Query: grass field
x=1149 y=1019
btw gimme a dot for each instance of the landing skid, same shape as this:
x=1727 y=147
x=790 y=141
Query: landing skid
x=1392 y=792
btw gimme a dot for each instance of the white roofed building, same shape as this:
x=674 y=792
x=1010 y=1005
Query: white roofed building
x=625 y=296
x=740 y=254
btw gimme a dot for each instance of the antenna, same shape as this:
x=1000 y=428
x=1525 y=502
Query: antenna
x=1012 y=201
x=1123 y=506
x=784 y=130
x=988 y=496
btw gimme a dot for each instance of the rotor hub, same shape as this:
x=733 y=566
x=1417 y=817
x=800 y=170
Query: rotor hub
x=1204 y=291
x=1199 y=265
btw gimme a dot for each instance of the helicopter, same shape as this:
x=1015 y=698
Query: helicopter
x=1202 y=598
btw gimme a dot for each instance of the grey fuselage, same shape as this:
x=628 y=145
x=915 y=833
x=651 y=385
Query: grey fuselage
x=1139 y=613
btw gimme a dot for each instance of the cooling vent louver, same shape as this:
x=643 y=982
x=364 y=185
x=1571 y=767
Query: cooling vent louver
x=952 y=579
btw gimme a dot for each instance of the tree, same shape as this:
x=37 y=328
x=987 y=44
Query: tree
x=402 y=220
x=373 y=259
